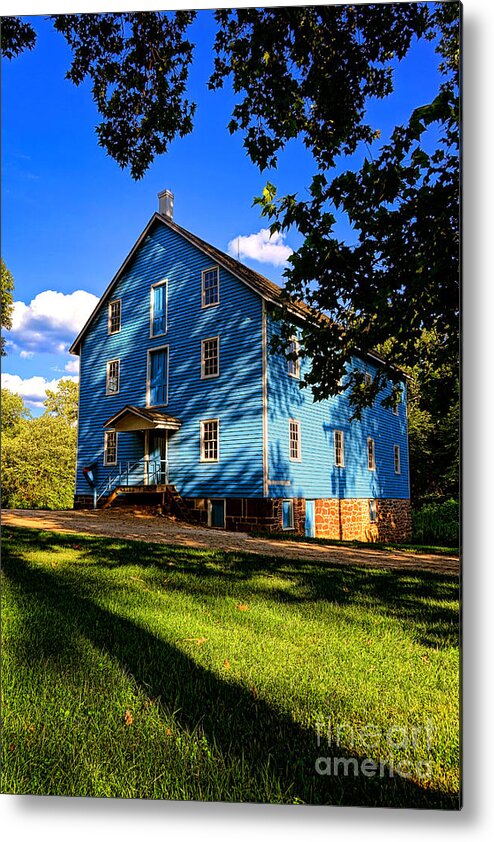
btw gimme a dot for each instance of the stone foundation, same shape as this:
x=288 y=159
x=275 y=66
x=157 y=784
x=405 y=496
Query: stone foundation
x=83 y=501
x=349 y=520
x=346 y=520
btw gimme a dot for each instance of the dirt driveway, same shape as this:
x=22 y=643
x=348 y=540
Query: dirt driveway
x=145 y=527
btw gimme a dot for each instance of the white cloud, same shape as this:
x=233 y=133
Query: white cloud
x=72 y=366
x=263 y=246
x=50 y=322
x=32 y=389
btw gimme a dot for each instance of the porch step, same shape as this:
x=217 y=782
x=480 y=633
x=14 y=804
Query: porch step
x=177 y=502
x=174 y=498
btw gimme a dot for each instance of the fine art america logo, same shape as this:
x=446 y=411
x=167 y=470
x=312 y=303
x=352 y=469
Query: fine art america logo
x=411 y=743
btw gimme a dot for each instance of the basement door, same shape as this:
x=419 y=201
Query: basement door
x=216 y=513
x=310 y=519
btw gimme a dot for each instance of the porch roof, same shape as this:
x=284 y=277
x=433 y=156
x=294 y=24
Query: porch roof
x=142 y=418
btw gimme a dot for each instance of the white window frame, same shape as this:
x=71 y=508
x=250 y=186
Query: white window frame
x=298 y=426
x=296 y=362
x=340 y=464
x=205 y=376
x=372 y=504
x=202 y=456
x=148 y=374
x=371 y=467
x=368 y=378
x=110 y=303
x=109 y=363
x=397 y=458
x=106 y=461
x=292 y=514
x=164 y=283
x=203 y=290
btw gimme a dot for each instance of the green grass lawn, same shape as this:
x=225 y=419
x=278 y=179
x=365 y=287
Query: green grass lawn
x=141 y=670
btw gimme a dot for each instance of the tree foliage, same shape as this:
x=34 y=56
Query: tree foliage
x=402 y=276
x=15 y=36
x=7 y=302
x=38 y=454
x=433 y=409
x=64 y=402
x=138 y=65
x=14 y=411
x=308 y=73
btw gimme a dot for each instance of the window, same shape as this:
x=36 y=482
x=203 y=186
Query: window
x=397 y=459
x=210 y=287
x=210 y=357
x=367 y=378
x=157 y=386
x=295 y=441
x=113 y=377
x=371 y=457
x=294 y=364
x=396 y=408
x=287 y=514
x=159 y=297
x=110 y=454
x=372 y=511
x=114 y=316
x=339 y=449
x=210 y=444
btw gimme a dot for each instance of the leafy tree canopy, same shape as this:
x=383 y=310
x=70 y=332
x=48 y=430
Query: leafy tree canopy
x=433 y=421
x=7 y=302
x=13 y=411
x=38 y=465
x=39 y=454
x=308 y=73
x=64 y=402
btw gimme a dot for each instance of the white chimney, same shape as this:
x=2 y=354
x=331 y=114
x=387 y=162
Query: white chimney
x=166 y=203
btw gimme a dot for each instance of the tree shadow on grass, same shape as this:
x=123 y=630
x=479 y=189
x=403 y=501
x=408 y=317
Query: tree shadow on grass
x=233 y=719
x=423 y=600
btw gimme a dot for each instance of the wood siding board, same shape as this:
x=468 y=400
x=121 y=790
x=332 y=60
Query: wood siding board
x=316 y=475
x=235 y=396
x=245 y=469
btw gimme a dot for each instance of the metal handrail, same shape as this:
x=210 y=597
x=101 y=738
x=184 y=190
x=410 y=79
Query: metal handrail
x=156 y=469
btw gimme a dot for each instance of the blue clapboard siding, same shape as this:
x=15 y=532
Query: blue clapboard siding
x=316 y=476
x=235 y=397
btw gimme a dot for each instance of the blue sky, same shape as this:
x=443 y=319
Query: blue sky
x=70 y=214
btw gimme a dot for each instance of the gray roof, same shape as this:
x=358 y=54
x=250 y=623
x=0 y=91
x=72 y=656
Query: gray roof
x=267 y=289
x=263 y=286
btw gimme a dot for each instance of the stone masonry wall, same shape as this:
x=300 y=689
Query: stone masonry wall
x=349 y=520
x=345 y=520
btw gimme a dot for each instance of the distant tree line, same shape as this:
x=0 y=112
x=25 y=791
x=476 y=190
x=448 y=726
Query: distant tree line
x=39 y=454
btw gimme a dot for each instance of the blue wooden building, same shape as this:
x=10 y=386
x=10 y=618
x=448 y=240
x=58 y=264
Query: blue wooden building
x=181 y=397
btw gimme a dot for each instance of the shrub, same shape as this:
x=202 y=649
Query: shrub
x=437 y=523
x=38 y=465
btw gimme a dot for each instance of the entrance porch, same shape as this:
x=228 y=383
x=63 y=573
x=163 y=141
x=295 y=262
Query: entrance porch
x=148 y=474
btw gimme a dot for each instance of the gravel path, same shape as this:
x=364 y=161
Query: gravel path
x=144 y=527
